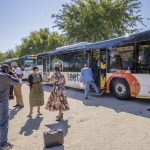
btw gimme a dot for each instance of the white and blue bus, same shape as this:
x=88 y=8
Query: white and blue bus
x=25 y=63
x=120 y=66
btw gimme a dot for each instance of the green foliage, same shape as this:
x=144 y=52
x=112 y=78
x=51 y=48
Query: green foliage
x=94 y=20
x=40 y=41
x=7 y=55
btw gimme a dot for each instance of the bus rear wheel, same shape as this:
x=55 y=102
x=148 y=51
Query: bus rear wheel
x=120 y=89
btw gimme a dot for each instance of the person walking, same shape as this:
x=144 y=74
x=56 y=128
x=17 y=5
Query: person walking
x=36 y=97
x=58 y=97
x=6 y=81
x=87 y=80
x=17 y=88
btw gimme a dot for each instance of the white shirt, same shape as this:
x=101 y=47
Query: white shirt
x=18 y=71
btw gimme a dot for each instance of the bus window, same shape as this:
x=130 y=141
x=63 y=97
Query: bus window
x=143 y=59
x=122 y=59
x=40 y=61
x=71 y=62
x=115 y=62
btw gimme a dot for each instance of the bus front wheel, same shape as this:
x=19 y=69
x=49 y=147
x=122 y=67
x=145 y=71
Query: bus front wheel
x=120 y=89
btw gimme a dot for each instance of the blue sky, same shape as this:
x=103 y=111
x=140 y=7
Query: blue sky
x=19 y=17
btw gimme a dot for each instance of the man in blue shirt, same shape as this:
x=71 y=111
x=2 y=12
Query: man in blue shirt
x=87 y=80
x=6 y=81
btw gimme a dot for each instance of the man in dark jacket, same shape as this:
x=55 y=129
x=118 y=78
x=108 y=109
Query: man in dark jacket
x=6 y=81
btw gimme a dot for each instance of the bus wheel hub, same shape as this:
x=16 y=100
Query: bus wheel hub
x=120 y=88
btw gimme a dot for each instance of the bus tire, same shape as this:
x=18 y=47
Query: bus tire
x=121 y=89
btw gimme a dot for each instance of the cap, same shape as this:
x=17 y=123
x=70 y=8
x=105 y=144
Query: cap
x=14 y=64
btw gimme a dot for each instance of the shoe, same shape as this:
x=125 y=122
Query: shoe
x=86 y=97
x=7 y=146
x=21 y=106
x=17 y=105
x=100 y=92
x=30 y=115
x=39 y=114
x=59 y=117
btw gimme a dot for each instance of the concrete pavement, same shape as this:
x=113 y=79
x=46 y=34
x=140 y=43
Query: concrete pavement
x=100 y=123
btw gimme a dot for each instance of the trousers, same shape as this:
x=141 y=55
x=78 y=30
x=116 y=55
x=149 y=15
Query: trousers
x=4 y=117
x=18 y=94
x=87 y=87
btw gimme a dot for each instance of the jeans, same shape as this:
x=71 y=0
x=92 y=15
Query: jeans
x=4 y=117
x=87 y=87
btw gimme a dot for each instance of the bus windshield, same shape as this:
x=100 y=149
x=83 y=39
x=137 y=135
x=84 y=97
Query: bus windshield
x=28 y=63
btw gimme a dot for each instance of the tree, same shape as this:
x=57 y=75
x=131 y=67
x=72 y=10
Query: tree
x=94 y=20
x=40 y=41
x=7 y=55
x=10 y=54
x=2 y=56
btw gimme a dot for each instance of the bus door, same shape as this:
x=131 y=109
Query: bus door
x=46 y=68
x=94 y=65
x=102 y=65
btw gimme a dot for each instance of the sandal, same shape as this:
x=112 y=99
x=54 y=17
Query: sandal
x=59 y=117
x=38 y=113
x=30 y=115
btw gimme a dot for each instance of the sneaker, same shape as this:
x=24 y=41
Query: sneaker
x=7 y=146
x=86 y=97
x=100 y=92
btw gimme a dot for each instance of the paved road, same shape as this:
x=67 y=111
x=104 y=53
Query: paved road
x=100 y=123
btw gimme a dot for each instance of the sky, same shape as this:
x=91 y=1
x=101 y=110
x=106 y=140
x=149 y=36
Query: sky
x=20 y=17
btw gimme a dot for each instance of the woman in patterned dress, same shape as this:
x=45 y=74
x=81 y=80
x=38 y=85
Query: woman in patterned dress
x=58 y=97
x=36 y=97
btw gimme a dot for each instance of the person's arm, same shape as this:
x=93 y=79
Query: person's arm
x=81 y=78
x=41 y=77
x=13 y=80
x=62 y=80
x=30 y=79
x=91 y=72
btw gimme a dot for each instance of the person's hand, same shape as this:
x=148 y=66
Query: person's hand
x=11 y=71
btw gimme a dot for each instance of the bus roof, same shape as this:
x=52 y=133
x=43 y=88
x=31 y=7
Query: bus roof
x=144 y=35
x=69 y=48
x=111 y=43
x=10 y=60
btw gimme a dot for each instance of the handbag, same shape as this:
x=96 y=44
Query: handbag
x=53 y=138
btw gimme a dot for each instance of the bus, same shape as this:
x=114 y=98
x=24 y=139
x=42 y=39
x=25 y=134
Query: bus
x=120 y=66
x=9 y=61
x=25 y=63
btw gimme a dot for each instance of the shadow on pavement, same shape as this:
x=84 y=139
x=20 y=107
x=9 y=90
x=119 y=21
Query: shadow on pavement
x=133 y=106
x=13 y=113
x=60 y=125
x=55 y=148
x=31 y=125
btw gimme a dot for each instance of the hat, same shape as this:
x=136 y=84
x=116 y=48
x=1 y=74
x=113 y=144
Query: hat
x=14 y=64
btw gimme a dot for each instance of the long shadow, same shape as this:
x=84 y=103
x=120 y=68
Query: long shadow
x=60 y=125
x=133 y=106
x=13 y=113
x=55 y=148
x=31 y=125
